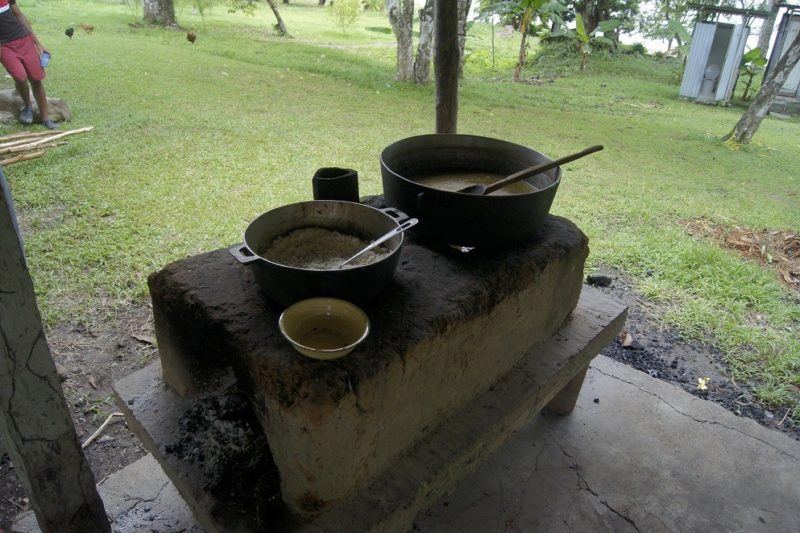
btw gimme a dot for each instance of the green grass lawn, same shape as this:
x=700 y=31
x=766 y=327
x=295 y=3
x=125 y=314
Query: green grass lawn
x=192 y=142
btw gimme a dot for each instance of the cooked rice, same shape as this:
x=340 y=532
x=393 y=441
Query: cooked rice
x=319 y=249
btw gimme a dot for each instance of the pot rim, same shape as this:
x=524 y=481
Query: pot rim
x=506 y=198
x=347 y=268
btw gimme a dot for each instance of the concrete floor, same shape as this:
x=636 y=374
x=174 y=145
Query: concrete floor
x=637 y=454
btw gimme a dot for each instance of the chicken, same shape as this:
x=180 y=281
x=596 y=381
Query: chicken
x=88 y=28
x=191 y=36
x=69 y=32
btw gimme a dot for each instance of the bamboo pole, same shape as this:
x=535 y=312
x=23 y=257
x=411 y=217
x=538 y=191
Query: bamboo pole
x=26 y=147
x=24 y=135
x=20 y=158
x=18 y=142
x=29 y=147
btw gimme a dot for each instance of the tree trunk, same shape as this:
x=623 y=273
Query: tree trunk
x=35 y=424
x=422 y=64
x=590 y=17
x=523 y=55
x=401 y=17
x=280 y=26
x=748 y=125
x=463 y=13
x=525 y=24
x=321 y=3
x=747 y=87
x=446 y=65
x=767 y=26
x=160 y=12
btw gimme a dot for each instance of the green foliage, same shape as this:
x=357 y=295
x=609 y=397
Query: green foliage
x=200 y=6
x=750 y=66
x=679 y=30
x=666 y=19
x=587 y=42
x=346 y=12
x=374 y=5
x=633 y=49
x=594 y=12
x=753 y=58
x=556 y=57
x=537 y=15
x=248 y=7
x=580 y=29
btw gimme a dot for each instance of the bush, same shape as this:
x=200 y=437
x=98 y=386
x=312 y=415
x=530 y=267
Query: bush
x=556 y=55
x=633 y=49
x=346 y=12
x=374 y=5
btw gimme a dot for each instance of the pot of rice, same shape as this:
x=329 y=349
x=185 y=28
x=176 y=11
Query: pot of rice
x=297 y=249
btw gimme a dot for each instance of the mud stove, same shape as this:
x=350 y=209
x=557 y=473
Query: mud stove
x=464 y=350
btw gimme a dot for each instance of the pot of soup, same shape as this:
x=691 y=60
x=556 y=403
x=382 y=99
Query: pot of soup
x=422 y=175
x=297 y=250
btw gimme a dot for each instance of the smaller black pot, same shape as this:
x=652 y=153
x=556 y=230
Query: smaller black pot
x=287 y=285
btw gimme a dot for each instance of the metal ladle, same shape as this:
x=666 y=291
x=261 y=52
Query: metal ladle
x=482 y=190
x=386 y=236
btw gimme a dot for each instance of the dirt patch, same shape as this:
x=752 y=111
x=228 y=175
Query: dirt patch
x=662 y=353
x=775 y=249
x=94 y=356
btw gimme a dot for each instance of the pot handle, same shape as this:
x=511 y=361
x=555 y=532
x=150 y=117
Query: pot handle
x=243 y=254
x=395 y=213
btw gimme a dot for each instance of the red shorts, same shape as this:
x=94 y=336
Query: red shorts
x=21 y=59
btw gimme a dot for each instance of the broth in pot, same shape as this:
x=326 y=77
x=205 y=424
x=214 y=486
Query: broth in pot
x=459 y=179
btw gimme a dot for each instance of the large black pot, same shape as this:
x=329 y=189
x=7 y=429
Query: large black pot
x=466 y=219
x=286 y=284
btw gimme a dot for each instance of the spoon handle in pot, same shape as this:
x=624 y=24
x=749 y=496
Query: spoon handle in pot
x=538 y=169
x=380 y=240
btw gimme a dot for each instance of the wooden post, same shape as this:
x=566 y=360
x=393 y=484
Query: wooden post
x=445 y=65
x=35 y=424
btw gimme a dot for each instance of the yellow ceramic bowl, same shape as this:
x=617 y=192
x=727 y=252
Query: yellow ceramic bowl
x=324 y=328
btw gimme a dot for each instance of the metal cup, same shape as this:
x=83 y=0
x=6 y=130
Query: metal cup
x=331 y=183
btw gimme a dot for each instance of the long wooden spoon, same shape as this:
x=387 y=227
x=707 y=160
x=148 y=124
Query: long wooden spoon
x=481 y=190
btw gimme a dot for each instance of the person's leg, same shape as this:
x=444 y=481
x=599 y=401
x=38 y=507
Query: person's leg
x=23 y=91
x=41 y=99
x=29 y=55
x=26 y=113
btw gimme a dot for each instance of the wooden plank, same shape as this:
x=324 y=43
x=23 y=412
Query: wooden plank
x=35 y=423
x=445 y=65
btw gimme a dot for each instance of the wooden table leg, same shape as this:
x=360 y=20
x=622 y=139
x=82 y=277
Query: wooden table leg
x=564 y=402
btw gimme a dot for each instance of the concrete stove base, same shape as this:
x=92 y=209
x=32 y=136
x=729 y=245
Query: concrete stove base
x=449 y=327
x=550 y=373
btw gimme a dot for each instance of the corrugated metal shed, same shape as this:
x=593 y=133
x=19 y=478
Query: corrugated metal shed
x=702 y=37
x=713 y=63
x=733 y=57
x=787 y=31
